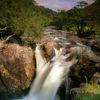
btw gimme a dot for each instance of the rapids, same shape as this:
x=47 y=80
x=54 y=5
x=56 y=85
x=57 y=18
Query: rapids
x=49 y=75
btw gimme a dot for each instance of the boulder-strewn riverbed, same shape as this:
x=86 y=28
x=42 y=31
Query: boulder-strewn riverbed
x=17 y=63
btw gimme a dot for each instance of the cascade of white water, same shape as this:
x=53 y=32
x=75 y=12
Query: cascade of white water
x=40 y=59
x=50 y=75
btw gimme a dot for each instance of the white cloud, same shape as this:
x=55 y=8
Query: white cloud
x=59 y=4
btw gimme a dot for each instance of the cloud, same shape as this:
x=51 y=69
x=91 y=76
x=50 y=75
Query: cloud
x=59 y=4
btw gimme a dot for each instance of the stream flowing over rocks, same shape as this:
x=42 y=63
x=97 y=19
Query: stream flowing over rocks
x=17 y=63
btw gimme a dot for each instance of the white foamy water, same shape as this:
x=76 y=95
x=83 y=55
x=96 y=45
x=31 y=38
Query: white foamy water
x=50 y=76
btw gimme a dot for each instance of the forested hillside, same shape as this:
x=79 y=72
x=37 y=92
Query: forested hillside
x=22 y=16
x=83 y=20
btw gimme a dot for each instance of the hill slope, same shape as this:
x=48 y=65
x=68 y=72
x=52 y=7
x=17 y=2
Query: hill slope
x=23 y=16
x=89 y=15
x=93 y=11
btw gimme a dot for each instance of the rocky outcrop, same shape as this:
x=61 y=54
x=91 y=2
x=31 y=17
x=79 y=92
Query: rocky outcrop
x=17 y=63
x=17 y=67
x=89 y=59
x=95 y=44
x=96 y=78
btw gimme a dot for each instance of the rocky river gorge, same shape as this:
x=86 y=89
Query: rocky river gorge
x=18 y=62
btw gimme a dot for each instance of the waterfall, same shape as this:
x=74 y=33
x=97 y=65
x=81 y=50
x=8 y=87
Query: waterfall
x=40 y=59
x=49 y=75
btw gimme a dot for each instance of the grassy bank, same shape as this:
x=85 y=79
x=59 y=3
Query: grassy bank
x=89 y=92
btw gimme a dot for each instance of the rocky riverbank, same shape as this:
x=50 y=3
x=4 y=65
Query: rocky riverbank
x=17 y=62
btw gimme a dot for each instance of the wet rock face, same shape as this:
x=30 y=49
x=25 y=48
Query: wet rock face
x=49 y=49
x=95 y=44
x=96 y=78
x=17 y=66
x=87 y=60
x=17 y=63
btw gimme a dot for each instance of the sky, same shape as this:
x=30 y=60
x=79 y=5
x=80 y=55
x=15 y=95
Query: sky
x=59 y=4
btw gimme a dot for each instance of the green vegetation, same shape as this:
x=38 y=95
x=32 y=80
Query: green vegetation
x=93 y=14
x=22 y=17
x=89 y=92
x=85 y=21
x=73 y=20
x=25 y=18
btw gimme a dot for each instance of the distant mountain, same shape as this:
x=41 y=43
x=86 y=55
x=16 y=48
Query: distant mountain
x=44 y=10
